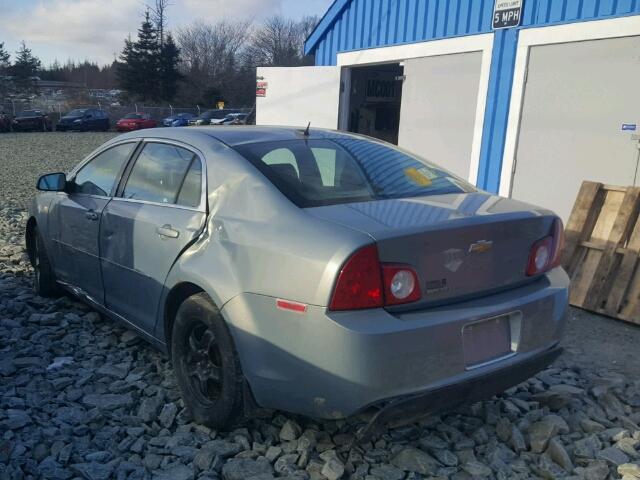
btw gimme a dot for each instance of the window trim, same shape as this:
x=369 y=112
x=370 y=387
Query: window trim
x=74 y=172
x=202 y=206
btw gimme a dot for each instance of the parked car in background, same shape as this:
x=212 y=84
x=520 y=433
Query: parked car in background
x=31 y=121
x=178 y=120
x=207 y=117
x=312 y=271
x=135 y=121
x=5 y=122
x=84 y=119
x=231 y=119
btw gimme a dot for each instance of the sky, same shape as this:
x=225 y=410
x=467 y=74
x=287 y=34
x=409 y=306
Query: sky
x=95 y=29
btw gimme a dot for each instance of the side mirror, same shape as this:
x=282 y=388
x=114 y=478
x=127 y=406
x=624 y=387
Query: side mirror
x=52 y=182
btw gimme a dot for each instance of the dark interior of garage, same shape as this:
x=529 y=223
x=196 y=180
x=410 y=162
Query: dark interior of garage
x=374 y=101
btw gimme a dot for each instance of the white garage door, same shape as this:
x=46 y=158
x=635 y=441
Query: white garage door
x=577 y=97
x=438 y=111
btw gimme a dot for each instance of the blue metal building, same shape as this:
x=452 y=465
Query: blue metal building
x=538 y=88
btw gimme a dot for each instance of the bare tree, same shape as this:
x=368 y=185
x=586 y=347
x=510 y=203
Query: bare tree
x=210 y=55
x=218 y=60
x=159 y=15
x=279 y=41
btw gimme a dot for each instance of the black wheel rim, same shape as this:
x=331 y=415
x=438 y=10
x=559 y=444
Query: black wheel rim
x=203 y=362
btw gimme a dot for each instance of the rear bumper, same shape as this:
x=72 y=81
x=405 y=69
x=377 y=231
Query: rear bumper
x=335 y=364
x=481 y=387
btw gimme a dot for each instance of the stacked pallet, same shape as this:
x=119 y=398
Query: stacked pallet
x=602 y=251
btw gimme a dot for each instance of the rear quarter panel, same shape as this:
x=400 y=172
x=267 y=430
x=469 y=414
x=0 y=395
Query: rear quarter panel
x=257 y=241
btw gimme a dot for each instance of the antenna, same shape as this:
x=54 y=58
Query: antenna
x=306 y=130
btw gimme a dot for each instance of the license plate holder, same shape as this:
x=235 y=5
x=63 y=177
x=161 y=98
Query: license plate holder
x=490 y=339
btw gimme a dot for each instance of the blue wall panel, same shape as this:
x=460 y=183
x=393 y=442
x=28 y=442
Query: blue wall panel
x=357 y=24
x=373 y=23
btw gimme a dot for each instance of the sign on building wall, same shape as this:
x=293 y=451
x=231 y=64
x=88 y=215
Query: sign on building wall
x=261 y=87
x=507 y=13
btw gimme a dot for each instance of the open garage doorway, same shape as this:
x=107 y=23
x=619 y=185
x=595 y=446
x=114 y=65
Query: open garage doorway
x=375 y=94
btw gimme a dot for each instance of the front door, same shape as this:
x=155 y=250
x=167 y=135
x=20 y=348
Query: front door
x=159 y=212
x=77 y=219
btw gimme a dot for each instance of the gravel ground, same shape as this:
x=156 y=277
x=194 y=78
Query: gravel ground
x=81 y=397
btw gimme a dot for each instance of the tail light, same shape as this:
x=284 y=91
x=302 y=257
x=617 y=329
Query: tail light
x=364 y=282
x=359 y=283
x=546 y=253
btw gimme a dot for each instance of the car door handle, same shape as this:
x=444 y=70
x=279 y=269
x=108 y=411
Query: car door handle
x=91 y=215
x=167 y=231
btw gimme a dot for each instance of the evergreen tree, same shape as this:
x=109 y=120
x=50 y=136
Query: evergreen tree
x=148 y=55
x=4 y=59
x=128 y=68
x=25 y=67
x=168 y=69
x=4 y=71
x=139 y=63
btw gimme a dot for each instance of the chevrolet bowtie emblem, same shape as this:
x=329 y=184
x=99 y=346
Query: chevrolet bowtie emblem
x=480 y=246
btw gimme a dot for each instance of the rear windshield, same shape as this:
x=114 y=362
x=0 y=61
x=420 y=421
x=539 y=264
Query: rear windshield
x=30 y=113
x=76 y=113
x=133 y=116
x=341 y=169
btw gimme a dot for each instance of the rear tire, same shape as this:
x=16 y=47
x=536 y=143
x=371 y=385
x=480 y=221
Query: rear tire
x=206 y=363
x=44 y=280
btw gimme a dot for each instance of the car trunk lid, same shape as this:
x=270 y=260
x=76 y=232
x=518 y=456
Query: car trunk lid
x=461 y=245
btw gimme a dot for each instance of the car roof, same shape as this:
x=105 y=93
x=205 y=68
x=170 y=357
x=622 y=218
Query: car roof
x=236 y=135
x=240 y=135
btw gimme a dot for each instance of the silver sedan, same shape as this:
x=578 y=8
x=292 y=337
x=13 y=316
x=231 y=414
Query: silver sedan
x=317 y=272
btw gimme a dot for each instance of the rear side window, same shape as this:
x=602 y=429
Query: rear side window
x=99 y=176
x=165 y=174
x=343 y=169
x=192 y=186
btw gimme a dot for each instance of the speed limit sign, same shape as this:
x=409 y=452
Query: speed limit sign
x=507 y=13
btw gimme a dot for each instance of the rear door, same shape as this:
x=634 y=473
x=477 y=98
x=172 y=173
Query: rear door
x=94 y=121
x=76 y=219
x=159 y=210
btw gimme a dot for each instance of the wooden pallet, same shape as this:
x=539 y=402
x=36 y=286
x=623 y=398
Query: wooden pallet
x=602 y=251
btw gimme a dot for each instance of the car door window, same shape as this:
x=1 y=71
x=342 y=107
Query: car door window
x=191 y=190
x=98 y=177
x=159 y=173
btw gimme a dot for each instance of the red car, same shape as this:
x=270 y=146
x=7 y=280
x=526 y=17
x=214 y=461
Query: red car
x=135 y=121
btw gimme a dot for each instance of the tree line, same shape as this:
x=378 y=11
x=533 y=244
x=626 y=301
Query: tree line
x=201 y=63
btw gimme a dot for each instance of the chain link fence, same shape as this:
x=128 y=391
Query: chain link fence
x=55 y=110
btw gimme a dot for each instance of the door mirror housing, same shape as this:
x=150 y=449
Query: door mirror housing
x=52 y=182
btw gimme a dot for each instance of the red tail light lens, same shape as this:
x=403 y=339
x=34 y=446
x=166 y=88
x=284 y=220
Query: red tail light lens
x=364 y=282
x=546 y=252
x=400 y=284
x=558 y=237
x=359 y=283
